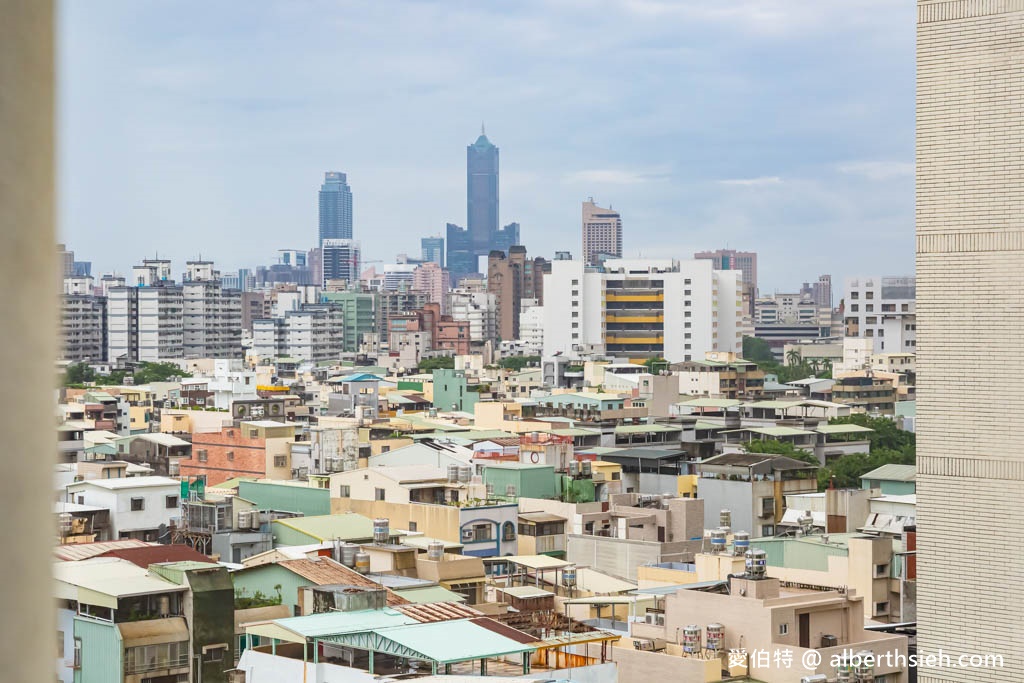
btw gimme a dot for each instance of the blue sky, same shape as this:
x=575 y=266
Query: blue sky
x=780 y=126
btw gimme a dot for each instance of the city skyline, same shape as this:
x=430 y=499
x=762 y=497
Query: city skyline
x=773 y=151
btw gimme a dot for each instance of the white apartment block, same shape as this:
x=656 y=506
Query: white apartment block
x=228 y=382
x=643 y=308
x=791 y=309
x=138 y=505
x=212 y=315
x=313 y=333
x=145 y=323
x=479 y=308
x=83 y=322
x=882 y=309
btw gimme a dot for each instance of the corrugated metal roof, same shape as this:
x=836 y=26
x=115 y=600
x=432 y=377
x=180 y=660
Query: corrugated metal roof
x=323 y=571
x=259 y=614
x=127 y=483
x=892 y=472
x=102 y=580
x=83 y=551
x=155 y=554
x=164 y=439
x=437 y=611
x=843 y=429
x=447 y=642
x=536 y=561
x=504 y=630
x=345 y=527
x=525 y=592
x=593 y=581
x=429 y=594
x=646 y=429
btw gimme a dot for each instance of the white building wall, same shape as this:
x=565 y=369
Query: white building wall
x=122 y=518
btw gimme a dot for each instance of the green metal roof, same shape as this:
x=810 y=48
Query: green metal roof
x=348 y=526
x=892 y=472
x=572 y=431
x=645 y=429
x=773 y=431
x=843 y=429
x=446 y=642
x=700 y=424
x=332 y=623
x=711 y=403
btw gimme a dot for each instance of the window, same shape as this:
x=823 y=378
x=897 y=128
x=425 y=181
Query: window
x=231 y=455
x=508 y=532
x=686 y=314
x=870 y=308
x=854 y=308
x=869 y=295
x=81 y=500
x=138 y=504
x=201 y=455
x=215 y=653
x=687 y=281
x=412 y=526
x=687 y=325
x=575 y=326
x=280 y=461
x=345 y=491
x=482 y=532
x=686 y=292
x=767 y=529
x=783 y=629
x=686 y=303
x=171 y=502
x=78 y=653
x=575 y=314
x=575 y=282
x=378 y=494
x=881 y=608
x=254 y=434
x=881 y=570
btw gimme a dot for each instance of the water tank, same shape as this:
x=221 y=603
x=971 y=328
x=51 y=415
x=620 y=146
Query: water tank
x=844 y=671
x=691 y=639
x=348 y=554
x=362 y=562
x=806 y=521
x=574 y=468
x=814 y=678
x=740 y=543
x=435 y=551
x=716 y=637
x=864 y=666
x=381 y=531
x=828 y=640
x=569 y=575
x=586 y=468
x=465 y=473
x=725 y=519
x=757 y=563
x=510 y=491
x=718 y=541
x=453 y=474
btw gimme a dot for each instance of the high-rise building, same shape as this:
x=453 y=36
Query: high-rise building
x=335 y=208
x=211 y=314
x=66 y=259
x=340 y=260
x=313 y=332
x=481 y=234
x=884 y=310
x=145 y=315
x=481 y=193
x=432 y=249
x=745 y=261
x=819 y=292
x=511 y=279
x=359 y=312
x=602 y=233
x=83 y=322
x=970 y=282
x=641 y=309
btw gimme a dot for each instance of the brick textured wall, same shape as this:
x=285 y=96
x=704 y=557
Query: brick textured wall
x=970 y=322
x=229 y=454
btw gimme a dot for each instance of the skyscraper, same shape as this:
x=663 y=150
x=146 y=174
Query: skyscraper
x=432 y=249
x=746 y=261
x=481 y=193
x=602 y=233
x=335 y=208
x=970 y=282
x=340 y=260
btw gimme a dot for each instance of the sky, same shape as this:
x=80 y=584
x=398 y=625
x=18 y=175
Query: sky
x=784 y=127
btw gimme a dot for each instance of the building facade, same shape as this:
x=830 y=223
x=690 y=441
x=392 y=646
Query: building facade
x=340 y=259
x=882 y=309
x=511 y=279
x=970 y=270
x=83 y=322
x=602 y=233
x=432 y=250
x=211 y=314
x=335 y=207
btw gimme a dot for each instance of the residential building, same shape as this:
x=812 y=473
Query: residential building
x=891 y=479
x=359 y=316
x=477 y=308
x=602 y=233
x=882 y=309
x=313 y=333
x=433 y=280
x=819 y=292
x=340 y=261
x=641 y=309
x=753 y=487
x=145 y=320
x=249 y=449
x=432 y=250
x=720 y=375
x=252 y=309
x=162 y=453
x=227 y=383
x=335 y=208
x=397 y=302
x=211 y=314
x=512 y=279
x=867 y=391
x=781 y=335
x=83 y=322
x=744 y=261
x=140 y=507
x=799 y=308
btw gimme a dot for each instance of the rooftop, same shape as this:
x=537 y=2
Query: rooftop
x=323 y=571
x=346 y=527
x=893 y=472
x=127 y=483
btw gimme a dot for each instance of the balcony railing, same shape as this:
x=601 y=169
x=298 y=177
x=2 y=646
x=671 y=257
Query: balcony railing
x=156 y=664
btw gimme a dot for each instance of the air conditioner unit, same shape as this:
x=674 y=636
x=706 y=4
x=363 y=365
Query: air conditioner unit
x=659 y=619
x=643 y=644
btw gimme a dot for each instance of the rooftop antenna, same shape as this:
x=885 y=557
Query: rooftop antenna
x=482 y=131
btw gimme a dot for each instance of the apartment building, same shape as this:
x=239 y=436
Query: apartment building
x=479 y=309
x=257 y=448
x=641 y=309
x=139 y=506
x=211 y=314
x=83 y=318
x=512 y=279
x=314 y=332
x=720 y=375
x=602 y=233
x=433 y=280
x=882 y=309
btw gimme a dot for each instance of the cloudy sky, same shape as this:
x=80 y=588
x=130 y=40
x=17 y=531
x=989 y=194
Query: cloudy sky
x=779 y=126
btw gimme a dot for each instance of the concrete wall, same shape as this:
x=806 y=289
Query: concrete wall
x=735 y=496
x=615 y=556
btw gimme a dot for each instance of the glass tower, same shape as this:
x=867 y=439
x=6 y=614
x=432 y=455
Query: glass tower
x=335 y=208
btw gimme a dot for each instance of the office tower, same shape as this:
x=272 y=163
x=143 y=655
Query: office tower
x=432 y=249
x=511 y=279
x=641 y=309
x=83 y=322
x=335 y=208
x=462 y=260
x=602 y=233
x=293 y=257
x=398 y=276
x=435 y=282
x=970 y=282
x=66 y=259
x=745 y=261
x=212 y=314
x=481 y=193
x=884 y=310
x=359 y=313
x=340 y=260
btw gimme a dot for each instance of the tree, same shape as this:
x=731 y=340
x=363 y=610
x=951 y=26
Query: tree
x=654 y=364
x=79 y=373
x=814 y=364
x=757 y=350
x=826 y=366
x=794 y=358
x=517 y=363
x=437 y=363
x=776 y=447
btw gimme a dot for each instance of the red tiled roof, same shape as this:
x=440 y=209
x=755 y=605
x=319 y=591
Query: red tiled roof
x=156 y=554
x=323 y=571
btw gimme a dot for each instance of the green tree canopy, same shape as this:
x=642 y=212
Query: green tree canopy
x=438 y=363
x=776 y=447
x=517 y=363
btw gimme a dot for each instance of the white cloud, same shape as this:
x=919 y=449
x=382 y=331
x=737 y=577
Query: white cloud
x=878 y=170
x=612 y=176
x=750 y=182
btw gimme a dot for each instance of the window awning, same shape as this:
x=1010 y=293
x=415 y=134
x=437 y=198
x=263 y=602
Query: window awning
x=153 y=631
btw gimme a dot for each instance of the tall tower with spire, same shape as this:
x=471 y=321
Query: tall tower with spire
x=481 y=192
